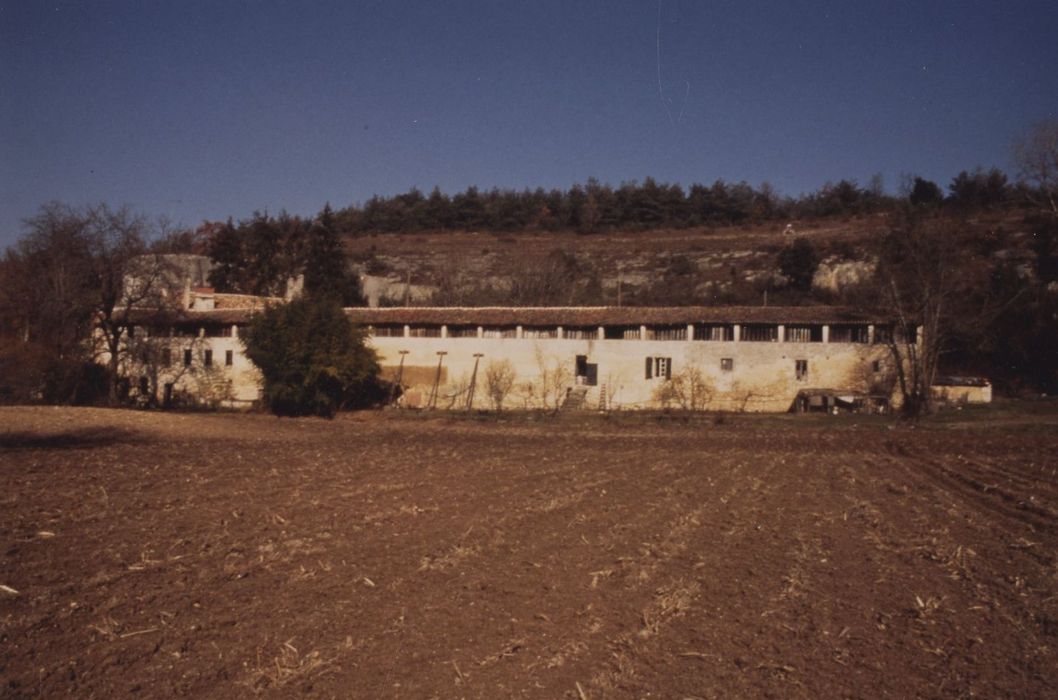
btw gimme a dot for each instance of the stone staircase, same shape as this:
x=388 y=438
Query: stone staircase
x=575 y=399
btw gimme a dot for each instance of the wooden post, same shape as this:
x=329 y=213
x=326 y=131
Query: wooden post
x=432 y=403
x=473 y=380
x=400 y=376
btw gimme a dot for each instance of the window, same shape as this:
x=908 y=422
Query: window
x=424 y=332
x=499 y=332
x=218 y=331
x=539 y=332
x=586 y=373
x=667 y=333
x=660 y=367
x=714 y=331
x=760 y=333
x=848 y=334
x=462 y=331
x=386 y=331
x=727 y=364
x=580 y=332
x=229 y=358
x=876 y=366
x=187 y=357
x=207 y=358
x=804 y=334
x=801 y=369
x=621 y=333
x=167 y=357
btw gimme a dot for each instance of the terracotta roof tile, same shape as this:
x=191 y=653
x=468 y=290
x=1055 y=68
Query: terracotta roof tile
x=232 y=308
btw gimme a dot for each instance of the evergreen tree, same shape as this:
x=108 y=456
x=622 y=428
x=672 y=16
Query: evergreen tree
x=225 y=248
x=798 y=262
x=325 y=268
x=313 y=360
x=925 y=193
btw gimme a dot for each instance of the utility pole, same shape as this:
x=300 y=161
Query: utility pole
x=432 y=403
x=473 y=380
x=400 y=376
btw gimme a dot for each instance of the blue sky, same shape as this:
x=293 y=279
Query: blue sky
x=204 y=110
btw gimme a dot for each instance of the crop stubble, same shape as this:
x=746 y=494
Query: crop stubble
x=226 y=555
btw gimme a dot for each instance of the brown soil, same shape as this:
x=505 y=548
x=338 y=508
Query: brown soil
x=222 y=555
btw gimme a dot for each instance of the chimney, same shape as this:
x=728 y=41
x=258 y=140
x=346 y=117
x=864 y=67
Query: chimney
x=295 y=286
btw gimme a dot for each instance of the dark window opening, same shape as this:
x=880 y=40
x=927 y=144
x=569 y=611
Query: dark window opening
x=667 y=333
x=804 y=334
x=207 y=358
x=185 y=331
x=499 y=332
x=229 y=358
x=580 y=332
x=714 y=331
x=660 y=367
x=848 y=334
x=727 y=364
x=462 y=331
x=425 y=332
x=760 y=333
x=801 y=369
x=187 y=358
x=586 y=373
x=621 y=333
x=167 y=357
x=386 y=331
x=907 y=334
x=539 y=332
x=876 y=366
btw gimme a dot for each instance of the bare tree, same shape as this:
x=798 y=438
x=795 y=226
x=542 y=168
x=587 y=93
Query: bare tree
x=69 y=290
x=689 y=389
x=126 y=282
x=45 y=300
x=555 y=379
x=499 y=381
x=918 y=273
x=1037 y=158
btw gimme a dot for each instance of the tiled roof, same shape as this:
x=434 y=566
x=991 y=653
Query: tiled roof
x=611 y=315
x=243 y=301
x=230 y=312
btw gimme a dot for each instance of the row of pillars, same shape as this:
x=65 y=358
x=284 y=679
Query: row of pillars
x=601 y=332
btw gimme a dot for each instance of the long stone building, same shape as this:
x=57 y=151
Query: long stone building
x=706 y=358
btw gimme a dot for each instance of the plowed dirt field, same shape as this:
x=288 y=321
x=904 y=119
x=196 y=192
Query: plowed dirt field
x=162 y=555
